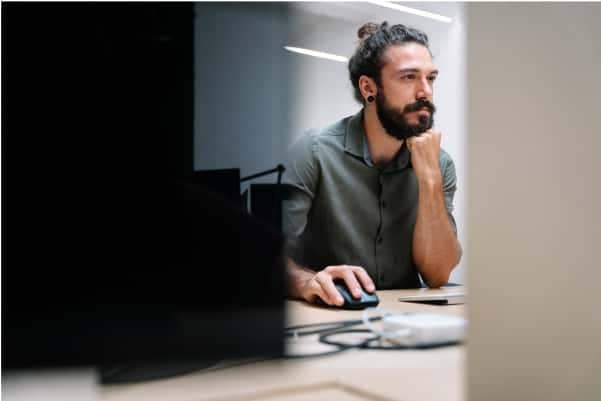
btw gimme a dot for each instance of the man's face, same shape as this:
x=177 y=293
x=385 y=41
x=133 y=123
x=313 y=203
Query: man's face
x=404 y=101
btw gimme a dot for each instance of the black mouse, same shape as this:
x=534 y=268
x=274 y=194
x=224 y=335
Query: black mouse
x=367 y=300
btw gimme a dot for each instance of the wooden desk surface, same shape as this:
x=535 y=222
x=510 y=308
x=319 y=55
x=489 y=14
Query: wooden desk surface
x=433 y=374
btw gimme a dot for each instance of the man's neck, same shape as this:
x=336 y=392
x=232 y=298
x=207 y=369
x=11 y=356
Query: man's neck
x=383 y=148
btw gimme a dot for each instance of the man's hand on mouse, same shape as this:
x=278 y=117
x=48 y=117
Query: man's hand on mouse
x=321 y=285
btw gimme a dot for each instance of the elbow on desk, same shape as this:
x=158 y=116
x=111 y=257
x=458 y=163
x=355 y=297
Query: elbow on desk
x=437 y=283
x=438 y=276
x=437 y=273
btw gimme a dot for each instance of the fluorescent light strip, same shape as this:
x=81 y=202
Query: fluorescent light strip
x=410 y=10
x=315 y=53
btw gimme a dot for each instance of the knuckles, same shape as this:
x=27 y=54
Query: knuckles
x=321 y=274
x=329 y=269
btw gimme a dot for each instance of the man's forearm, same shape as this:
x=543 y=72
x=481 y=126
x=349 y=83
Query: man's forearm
x=436 y=250
x=298 y=276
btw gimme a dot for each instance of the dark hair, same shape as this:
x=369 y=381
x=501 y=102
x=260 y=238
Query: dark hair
x=374 y=39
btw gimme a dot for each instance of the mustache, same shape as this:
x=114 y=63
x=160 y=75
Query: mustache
x=420 y=104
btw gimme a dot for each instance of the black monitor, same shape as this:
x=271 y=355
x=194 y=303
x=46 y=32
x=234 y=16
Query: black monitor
x=111 y=256
x=266 y=201
x=205 y=285
x=222 y=181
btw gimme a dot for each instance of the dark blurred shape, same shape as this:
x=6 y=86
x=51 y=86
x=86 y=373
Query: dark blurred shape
x=266 y=199
x=112 y=256
x=266 y=203
x=222 y=181
x=279 y=169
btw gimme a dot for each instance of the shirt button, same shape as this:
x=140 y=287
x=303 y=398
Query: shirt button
x=382 y=277
x=380 y=240
x=383 y=205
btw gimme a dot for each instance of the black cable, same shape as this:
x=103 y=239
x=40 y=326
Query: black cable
x=322 y=327
x=317 y=354
x=329 y=329
x=324 y=338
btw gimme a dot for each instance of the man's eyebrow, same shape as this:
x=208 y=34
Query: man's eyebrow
x=405 y=70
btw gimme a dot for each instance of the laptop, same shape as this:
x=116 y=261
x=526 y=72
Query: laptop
x=442 y=296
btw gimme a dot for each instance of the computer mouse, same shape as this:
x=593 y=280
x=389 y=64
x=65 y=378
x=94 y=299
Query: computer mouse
x=367 y=300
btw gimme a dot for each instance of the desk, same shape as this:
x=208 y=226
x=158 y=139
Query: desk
x=353 y=375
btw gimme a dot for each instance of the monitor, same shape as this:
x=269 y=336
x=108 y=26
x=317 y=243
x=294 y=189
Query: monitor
x=266 y=203
x=222 y=181
x=111 y=256
x=172 y=302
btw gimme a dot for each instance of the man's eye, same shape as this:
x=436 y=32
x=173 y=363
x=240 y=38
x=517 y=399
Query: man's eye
x=408 y=77
x=432 y=78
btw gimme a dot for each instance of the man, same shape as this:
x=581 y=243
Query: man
x=372 y=195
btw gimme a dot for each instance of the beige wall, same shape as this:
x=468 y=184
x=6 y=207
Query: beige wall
x=534 y=97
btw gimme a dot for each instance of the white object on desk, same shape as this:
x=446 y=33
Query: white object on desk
x=423 y=329
x=417 y=329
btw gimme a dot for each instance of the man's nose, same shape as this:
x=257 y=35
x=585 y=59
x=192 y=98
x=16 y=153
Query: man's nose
x=425 y=90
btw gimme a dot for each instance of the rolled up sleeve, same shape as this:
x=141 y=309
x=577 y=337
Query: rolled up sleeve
x=449 y=188
x=302 y=179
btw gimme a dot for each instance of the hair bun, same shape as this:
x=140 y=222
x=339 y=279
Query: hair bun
x=367 y=30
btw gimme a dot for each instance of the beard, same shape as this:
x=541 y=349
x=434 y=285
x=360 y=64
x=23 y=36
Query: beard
x=395 y=122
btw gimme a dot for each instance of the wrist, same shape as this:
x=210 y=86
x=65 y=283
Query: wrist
x=431 y=181
x=298 y=277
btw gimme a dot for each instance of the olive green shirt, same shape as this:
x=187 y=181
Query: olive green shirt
x=341 y=209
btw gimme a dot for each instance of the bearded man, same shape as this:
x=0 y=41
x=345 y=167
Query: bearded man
x=372 y=195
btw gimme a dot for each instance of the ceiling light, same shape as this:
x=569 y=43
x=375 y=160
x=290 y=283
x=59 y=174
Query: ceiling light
x=315 y=53
x=410 y=10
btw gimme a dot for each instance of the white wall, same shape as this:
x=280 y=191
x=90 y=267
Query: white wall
x=322 y=92
x=534 y=217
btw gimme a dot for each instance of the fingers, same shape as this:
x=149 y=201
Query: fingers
x=313 y=292
x=328 y=292
x=415 y=141
x=351 y=282
x=424 y=139
x=322 y=284
x=366 y=281
x=434 y=132
x=355 y=278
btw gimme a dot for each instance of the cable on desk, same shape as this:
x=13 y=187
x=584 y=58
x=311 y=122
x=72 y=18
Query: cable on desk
x=325 y=338
x=298 y=331
x=326 y=328
x=316 y=354
x=380 y=339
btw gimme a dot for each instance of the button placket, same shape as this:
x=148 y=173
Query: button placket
x=378 y=239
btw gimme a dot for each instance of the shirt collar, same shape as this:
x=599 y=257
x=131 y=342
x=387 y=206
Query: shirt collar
x=356 y=144
x=355 y=135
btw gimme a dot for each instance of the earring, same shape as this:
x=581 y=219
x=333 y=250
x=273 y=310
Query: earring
x=370 y=99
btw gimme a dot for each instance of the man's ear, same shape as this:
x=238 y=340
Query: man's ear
x=367 y=86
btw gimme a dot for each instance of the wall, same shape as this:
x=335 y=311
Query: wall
x=241 y=86
x=534 y=221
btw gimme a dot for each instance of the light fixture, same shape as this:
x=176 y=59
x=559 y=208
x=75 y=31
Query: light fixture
x=410 y=10
x=315 y=53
